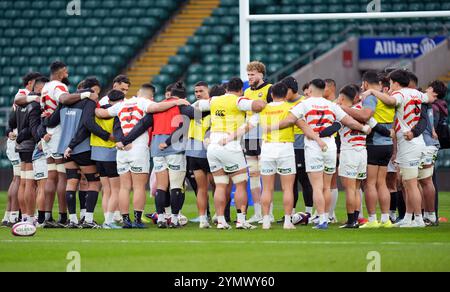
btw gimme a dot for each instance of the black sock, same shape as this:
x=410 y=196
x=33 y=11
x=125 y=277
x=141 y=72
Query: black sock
x=167 y=200
x=20 y=215
x=228 y=211
x=394 y=198
x=91 y=201
x=350 y=218
x=41 y=217
x=183 y=197
x=82 y=197
x=126 y=217
x=160 y=201
x=62 y=217
x=401 y=205
x=356 y=216
x=176 y=199
x=138 y=216
x=71 y=200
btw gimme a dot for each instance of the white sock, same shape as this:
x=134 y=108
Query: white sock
x=161 y=217
x=6 y=217
x=203 y=218
x=105 y=215
x=168 y=210
x=221 y=220
x=13 y=216
x=266 y=220
x=334 y=199
x=323 y=218
x=89 y=217
x=271 y=210
x=73 y=218
x=174 y=219
x=30 y=219
x=117 y=215
x=25 y=218
x=287 y=219
x=408 y=218
x=426 y=215
x=309 y=210
x=241 y=218
x=327 y=215
x=418 y=218
x=373 y=218
x=393 y=215
x=109 y=218
x=82 y=213
x=48 y=215
x=293 y=211
x=432 y=216
x=257 y=207
x=384 y=218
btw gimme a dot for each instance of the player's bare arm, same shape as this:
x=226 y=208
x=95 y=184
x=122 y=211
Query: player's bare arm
x=72 y=98
x=385 y=98
x=361 y=115
x=163 y=106
x=355 y=125
x=102 y=113
x=310 y=134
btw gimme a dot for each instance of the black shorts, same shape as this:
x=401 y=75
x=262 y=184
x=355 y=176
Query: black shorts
x=252 y=147
x=300 y=158
x=107 y=169
x=379 y=155
x=26 y=157
x=195 y=163
x=81 y=159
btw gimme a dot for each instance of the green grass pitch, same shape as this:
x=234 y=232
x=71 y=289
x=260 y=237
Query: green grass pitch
x=192 y=249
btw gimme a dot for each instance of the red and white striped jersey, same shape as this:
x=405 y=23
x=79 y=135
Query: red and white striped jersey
x=351 y=139
x=50 y=95
x=21 y=92
x=319 y=113
x=409 y=105
x=130 y=112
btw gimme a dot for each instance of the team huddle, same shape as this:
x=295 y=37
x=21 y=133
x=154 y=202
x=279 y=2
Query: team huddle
x=378 y=137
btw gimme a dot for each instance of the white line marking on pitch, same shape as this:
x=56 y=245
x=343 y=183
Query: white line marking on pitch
x=222 y=242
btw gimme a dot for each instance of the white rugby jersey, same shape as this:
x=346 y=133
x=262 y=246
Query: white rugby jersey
x=21 y=92
x=352 y=139
x=130 y=112
x=409 y=105
x=51 y=93
x=319 y=113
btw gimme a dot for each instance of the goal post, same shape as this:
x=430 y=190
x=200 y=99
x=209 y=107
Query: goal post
x=245 y=18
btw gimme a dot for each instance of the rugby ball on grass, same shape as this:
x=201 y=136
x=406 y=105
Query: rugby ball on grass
x=300 y=218
x=23 y=229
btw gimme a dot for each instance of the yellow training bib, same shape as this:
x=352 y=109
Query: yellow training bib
x=107 y=125
x=272 y=114
x=225 y=115
x=198 y=128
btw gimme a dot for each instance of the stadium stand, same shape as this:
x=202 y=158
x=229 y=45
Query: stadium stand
x=101 y=41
